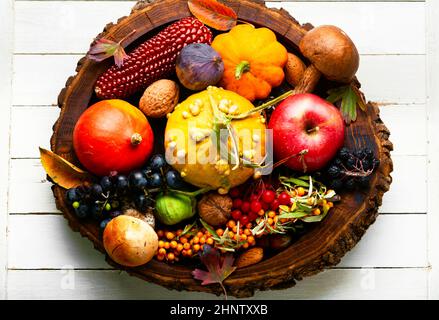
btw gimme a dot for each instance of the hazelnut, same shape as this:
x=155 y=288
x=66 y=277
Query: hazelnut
x=215 y=208
x=159 y=98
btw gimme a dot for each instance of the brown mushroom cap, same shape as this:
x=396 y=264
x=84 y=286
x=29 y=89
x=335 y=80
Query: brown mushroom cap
x=332 y=52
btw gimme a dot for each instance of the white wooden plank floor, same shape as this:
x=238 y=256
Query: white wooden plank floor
x=41 y=258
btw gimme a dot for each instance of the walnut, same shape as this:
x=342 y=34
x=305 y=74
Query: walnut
x=159 y=98
x=147 y=216
x=215 y=208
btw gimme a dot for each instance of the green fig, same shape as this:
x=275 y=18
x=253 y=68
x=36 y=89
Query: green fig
x=173 y=207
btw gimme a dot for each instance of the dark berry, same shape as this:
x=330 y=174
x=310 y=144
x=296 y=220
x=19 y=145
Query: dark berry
x=82 y=211
x=334 y=171
x=142 y=202
x=106 y=183
x=155 y=180
x=350 y=184
x=121 y=183
x=97 y=191
x=137 y=180
x=350 y=163
x=115 y=213
x=337 y=162
x=336 y=184
x=104 y=223
x=96 y=211
x=157 y=161
x=364 y=181
x=367 y=165
x=147 y=172
x=173 y=179
x=72 y=195
x=376 y=163
x=369 y=153
x=344 y=153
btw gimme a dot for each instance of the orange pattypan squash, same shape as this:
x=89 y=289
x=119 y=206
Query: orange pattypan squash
x=253 y=61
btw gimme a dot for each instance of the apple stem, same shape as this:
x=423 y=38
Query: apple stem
x=315 y=129
x=262 y=106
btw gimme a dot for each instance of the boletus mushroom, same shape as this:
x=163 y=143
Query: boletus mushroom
x=331 y=53
x=129 y=241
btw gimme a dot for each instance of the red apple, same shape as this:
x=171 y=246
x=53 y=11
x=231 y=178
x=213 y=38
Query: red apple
x=306 y=122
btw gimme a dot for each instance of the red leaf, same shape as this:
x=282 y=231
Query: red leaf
x=213 y=14
x=105 y=48
x=218 y=269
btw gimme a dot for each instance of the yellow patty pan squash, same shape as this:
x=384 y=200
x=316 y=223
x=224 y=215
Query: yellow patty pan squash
x=253 y=61
x=192 y=139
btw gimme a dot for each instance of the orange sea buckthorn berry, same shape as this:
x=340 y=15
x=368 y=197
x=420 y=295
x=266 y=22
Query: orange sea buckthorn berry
x=171 y=256
x=293 y=193
x=316 y=212
x=245 y=245
x=179 y=247
x=209 y=241
x=231 y=234
x=219 y=232
x=199 y=234
x=196 y=239
x=261 y=212
x=187 y=246
x=231 y=224
x=162 y=251
x=283 y=220
x=189 y=253
x=300 y=191
x=247 y=232
x=197 y=247
x=249 y=225
x=271 y=214
x=173 y=244
x=202 y=239
x=179 y=232
x=160 y=257
x=270 y=221
x=166 y=245
x=330 y=204
x=250 y=239
x=183 y=240
x=243 y=237
x=170 y=235
x=161 y=244
x=235 y=229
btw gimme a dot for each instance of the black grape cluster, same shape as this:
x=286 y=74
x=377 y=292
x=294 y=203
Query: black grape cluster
x=351 y=169
x=104 y=201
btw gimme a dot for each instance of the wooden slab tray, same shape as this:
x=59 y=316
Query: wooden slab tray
x=320 y=248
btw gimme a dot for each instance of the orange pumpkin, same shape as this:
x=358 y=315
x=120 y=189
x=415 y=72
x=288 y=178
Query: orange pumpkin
x=112 y=135
x=253 y=61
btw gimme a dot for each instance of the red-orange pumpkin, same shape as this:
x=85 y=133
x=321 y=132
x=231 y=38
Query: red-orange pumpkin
x=112 y=135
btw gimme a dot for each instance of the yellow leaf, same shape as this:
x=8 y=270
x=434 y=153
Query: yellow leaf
x=62 y=172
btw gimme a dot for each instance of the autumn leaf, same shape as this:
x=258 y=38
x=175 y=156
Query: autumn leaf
x=213 y=14
x=104 y=48
x=62 y=172
x=219 y=268
x=351 y=98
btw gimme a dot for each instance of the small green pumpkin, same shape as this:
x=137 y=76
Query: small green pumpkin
x=172 y=208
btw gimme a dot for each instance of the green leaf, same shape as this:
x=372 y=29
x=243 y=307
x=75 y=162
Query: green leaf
x=298 y=182
x=351 y=98
x=336 y=94
x=313 y=218
x=210 y=229
x=293 y=215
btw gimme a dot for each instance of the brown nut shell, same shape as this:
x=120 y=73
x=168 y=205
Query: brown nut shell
x=159 y=98
x=130 y=241
x=215 y=208
x=294 y=69
x=249 y=257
